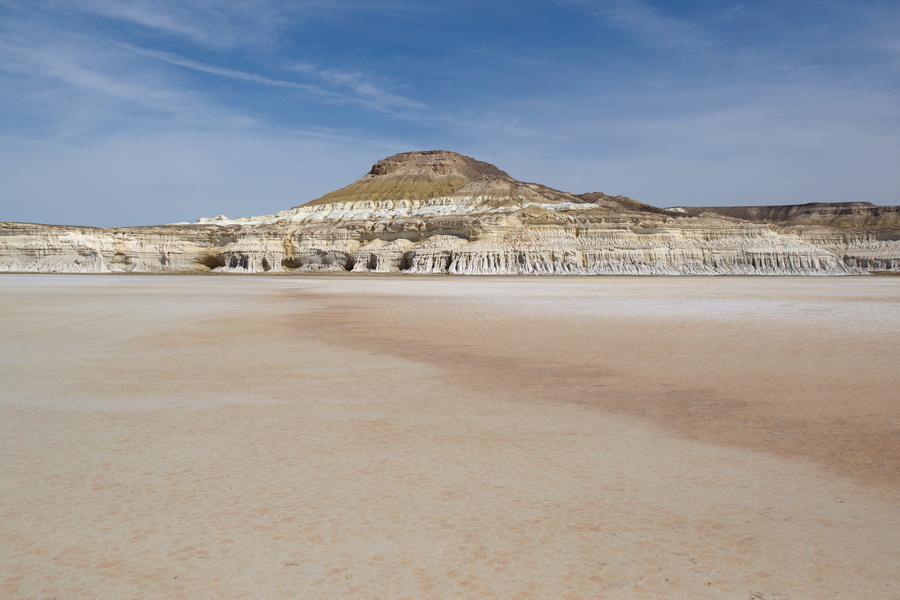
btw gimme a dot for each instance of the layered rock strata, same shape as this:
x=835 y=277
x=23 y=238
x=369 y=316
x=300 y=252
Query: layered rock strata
x=440 y=212
x=843 y=215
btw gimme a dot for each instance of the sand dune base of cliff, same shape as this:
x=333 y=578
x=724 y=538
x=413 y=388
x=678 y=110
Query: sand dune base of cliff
x=275 y=438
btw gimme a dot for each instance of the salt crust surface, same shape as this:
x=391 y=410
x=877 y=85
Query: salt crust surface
x=185 y=438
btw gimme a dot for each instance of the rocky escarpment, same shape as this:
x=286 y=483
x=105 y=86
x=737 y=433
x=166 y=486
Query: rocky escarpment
x=864 y=235
x=845 y=215
x=441 y=212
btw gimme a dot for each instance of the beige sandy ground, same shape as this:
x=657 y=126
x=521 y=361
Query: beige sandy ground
x=263 y=437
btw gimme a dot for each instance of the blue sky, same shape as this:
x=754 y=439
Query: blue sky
x=128 y=112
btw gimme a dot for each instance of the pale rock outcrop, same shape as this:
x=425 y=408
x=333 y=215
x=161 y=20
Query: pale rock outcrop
x=440 y=212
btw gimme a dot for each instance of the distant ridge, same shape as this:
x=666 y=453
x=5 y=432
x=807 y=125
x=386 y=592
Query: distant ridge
x=831 y=214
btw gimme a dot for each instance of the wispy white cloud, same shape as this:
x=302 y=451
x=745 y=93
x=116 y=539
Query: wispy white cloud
x=217 y=23
x=195 y=65
x=181 y=19
x=356 y=90
x=53 y=52
x=648 y=24
x=362 y=87
x=84 y=86
x=213 y=23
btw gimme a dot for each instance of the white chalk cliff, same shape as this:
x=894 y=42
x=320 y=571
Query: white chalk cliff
x=440 y=212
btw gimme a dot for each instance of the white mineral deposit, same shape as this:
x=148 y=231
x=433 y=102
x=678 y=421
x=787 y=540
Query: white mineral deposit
x=435 y=437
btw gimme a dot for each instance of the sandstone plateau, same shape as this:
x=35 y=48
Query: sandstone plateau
x=441 y=212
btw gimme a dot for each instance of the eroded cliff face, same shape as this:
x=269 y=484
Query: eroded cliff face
x=508 y=245
x=440 y=212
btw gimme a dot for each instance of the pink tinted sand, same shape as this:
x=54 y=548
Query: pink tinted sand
x=225 y=437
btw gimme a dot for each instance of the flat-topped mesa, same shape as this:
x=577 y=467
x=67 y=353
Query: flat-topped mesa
x=831 y=214
x=425 y=175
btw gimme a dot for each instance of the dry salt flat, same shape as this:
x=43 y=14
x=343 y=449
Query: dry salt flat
x=408 y=437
